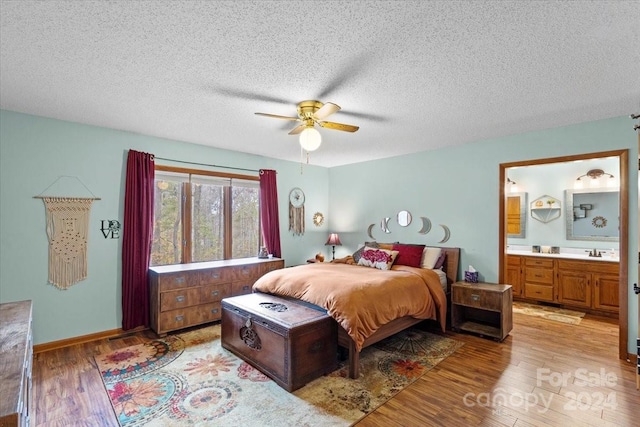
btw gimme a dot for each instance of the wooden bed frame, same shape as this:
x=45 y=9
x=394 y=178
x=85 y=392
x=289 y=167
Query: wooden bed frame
x=395 y=326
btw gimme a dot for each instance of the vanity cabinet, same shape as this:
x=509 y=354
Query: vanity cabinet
x=595 y=284
x=539 y=275
x=580 y=283
x=513 y=274
x=185 y=295
x=574 y=287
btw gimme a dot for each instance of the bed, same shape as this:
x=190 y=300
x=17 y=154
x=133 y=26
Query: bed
x=383 y=307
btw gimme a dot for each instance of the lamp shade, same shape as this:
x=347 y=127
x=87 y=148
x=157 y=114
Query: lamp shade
x=310 y=139
x=334 y=240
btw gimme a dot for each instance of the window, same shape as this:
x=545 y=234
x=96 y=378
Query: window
x=204 y=216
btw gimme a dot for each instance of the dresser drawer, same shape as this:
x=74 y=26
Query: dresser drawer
x=213 y=293
x=245 y=272
x=167 y=282
x=470 y=297
x=270 y=266
x=214 y=275
x=538 y=262
x=205 y=313
x=538 y=275
x=538 y=292
x=174 y=319
x=242 y=287
x=180 y=298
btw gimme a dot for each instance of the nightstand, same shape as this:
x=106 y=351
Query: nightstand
x=482 y=308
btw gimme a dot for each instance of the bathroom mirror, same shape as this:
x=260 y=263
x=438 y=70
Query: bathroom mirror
x=516 y=205
x=404 y=218
x=592 y=214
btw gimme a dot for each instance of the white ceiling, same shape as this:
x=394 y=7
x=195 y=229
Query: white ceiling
x=414 y=76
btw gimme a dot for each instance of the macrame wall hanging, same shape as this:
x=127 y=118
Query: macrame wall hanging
x=296 y=211
x=68 y=232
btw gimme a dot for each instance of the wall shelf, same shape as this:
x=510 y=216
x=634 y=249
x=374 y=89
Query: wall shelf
x=546 y=209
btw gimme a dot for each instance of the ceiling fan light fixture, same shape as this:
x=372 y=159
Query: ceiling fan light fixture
x=310 y=139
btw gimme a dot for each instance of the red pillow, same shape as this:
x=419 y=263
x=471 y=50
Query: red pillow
x=409 y=255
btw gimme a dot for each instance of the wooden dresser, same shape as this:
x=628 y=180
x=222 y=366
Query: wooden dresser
x=185 y=295
x=16 y=360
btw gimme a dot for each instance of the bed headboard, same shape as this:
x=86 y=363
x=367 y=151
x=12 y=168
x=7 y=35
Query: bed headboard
x=452 y=265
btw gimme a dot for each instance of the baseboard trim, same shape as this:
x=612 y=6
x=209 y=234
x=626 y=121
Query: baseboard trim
x=113 y=333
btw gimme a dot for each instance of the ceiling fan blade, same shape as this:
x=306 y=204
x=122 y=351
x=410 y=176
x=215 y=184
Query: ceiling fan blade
x=275 y=116
x=339 y=126
x=326 y=110
x=241 y=94
x=296 y=130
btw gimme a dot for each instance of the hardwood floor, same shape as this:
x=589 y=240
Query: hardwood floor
x=514 y=383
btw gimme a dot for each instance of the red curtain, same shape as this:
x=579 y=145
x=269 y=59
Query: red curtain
x=269 y=211
x=137 y=234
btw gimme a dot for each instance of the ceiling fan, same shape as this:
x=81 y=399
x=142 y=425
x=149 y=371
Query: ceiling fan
x=309 y=113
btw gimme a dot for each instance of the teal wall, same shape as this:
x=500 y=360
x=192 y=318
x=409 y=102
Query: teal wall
x=455 y=186
x=459 y=187
x=35 y=152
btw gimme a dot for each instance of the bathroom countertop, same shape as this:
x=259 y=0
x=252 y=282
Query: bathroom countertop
x=586 y=257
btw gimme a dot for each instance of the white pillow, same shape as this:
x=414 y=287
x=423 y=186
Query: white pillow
x=429 y=257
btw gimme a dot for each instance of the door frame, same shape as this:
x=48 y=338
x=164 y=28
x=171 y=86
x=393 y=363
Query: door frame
x=623 y=209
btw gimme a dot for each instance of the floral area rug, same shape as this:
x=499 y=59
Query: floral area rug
x=189 y=379
x=549 y=312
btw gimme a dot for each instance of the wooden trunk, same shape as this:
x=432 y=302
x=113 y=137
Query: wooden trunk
x=286 y=340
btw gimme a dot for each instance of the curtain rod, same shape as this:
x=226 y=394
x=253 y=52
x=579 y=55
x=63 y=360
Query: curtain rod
x=205 y=164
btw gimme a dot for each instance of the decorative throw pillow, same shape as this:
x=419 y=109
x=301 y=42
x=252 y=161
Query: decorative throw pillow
x=357 y=254
x=440 y=262
x=430 y=256
x=382 y=259
x=410 y=255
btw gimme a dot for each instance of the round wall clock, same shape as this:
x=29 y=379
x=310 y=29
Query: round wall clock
x=296 y=197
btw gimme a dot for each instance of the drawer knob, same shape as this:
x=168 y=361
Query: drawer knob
x=179 y=280
x=475 y=297
x=179 y=318
x=245 y=288
x=215 y=293
x=180 y=298
x=214 y=311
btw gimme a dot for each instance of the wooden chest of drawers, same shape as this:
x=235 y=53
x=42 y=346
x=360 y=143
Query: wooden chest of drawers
x=290 y=342
x=16 y=361
x=185 y=295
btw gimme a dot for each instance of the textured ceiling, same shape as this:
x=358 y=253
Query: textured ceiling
x=413 y=75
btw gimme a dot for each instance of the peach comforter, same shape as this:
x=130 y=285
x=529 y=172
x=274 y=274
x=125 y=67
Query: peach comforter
x=361 y=299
